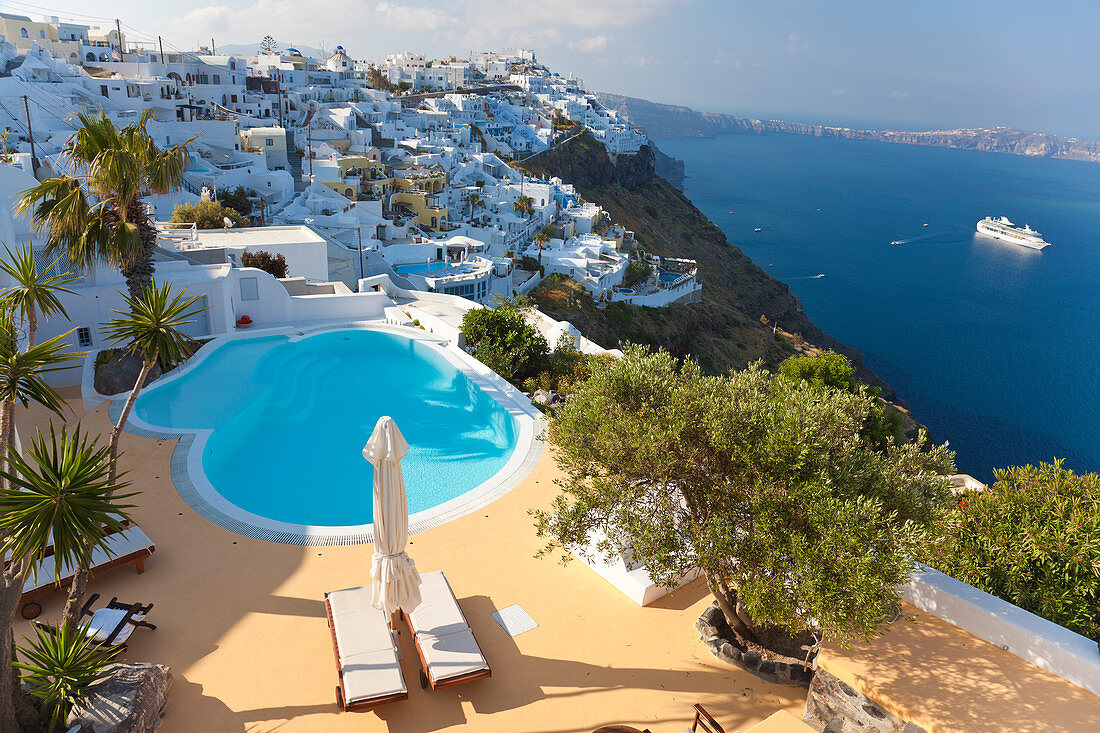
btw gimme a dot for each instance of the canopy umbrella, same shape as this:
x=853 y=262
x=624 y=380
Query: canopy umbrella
x=396 y=582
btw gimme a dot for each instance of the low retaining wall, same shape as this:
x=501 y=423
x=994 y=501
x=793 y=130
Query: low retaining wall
x=1054 y=648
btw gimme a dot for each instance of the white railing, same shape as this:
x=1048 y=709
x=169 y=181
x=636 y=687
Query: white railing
x=183 y=235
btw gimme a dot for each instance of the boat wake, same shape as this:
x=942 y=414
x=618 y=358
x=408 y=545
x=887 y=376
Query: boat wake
x=810 y=277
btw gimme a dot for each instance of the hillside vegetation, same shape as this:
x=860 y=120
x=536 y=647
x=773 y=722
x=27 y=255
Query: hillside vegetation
x=723 y=331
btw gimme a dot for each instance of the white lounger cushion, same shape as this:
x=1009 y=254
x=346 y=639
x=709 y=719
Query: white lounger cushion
x=120 y=544
x=441 y=630
x=104 y=622
x=368 y=659
x=453 y=655
x=438 y=613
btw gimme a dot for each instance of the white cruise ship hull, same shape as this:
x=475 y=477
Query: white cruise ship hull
x=1008 y=236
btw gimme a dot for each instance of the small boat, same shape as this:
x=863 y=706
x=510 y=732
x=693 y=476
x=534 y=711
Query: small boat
x=924 y=225
x=896 y=241
x=758 y=229
x=731 y=212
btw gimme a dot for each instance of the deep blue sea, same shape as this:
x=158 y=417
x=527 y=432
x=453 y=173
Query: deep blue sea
x=996 y=348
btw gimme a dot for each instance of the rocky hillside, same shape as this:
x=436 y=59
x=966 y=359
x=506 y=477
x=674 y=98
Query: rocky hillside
x=723 y=331
x=674 y=121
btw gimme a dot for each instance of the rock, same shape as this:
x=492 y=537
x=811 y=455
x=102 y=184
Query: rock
x=836 y=707
x=715 y=633
x=541 y=397
x=131 y=700
x=120 y=373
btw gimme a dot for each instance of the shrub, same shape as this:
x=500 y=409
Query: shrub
x=636 y=272
x=1033 y=539
x=274 y=265
x=237 y=199
x=503 y=340
x=207 y=215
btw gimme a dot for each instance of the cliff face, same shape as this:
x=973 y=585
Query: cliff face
x=723 y=331
x=673 y=121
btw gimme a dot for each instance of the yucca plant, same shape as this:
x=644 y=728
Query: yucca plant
x=95 y=213
x=150 y=330
x=61 y=495
x=63 y=667
x=22 y=375
x=34 y=293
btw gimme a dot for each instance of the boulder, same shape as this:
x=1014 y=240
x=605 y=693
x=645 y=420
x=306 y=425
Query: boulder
x=541 y=397
x=130 y=700
x=119 y=374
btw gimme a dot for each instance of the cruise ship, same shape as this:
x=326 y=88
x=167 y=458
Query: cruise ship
x=1002 y=228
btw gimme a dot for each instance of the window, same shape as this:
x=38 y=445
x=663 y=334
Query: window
x=41 y=33
x=250 y=288
x=269 y=142
x=23 y=32
x=83 y=337
x=233 y=97
x=103 y=90
x=217 y=79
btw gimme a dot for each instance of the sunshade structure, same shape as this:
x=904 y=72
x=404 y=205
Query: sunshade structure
x=396 y=582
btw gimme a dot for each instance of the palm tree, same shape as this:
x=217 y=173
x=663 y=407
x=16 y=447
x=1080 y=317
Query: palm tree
x=474 y=200
x=61 y=499
x=97 y=213
x=34 y=291
x=64 y=666
x=22 y=381
x=541 y=238
x=524 y=206
x=151 y=331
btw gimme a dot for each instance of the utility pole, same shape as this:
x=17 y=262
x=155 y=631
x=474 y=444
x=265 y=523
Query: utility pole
x=162 y=59
x=121 y=50
x=310 y=151
x=213 y=52
x=30 y=132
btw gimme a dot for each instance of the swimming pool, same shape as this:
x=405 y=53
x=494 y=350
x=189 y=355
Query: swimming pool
x=670 y=277
x=415 y=268
x=286 y=418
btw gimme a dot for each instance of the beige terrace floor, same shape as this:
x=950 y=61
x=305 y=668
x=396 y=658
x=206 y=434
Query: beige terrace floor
x=242 y=624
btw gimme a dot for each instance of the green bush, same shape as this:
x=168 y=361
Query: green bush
x=274 y=265
x=237 y=199
x=503 y=340
x=207 y=215
x=636 y=272
x=1033 y=539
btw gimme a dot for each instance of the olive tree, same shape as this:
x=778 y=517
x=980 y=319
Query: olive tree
x=763 y=483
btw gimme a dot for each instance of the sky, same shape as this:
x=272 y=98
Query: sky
x=917 y=64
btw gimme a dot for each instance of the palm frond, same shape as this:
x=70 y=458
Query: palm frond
x=22 y=372
x=63 y=667
x=33 y=288
x=152 y=324
x=60 y=498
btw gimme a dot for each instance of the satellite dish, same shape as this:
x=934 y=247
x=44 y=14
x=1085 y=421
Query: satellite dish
x=227 y=222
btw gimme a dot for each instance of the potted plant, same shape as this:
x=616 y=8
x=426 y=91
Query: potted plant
x=244 y=322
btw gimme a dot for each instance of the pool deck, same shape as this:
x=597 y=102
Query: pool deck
x=242 y=624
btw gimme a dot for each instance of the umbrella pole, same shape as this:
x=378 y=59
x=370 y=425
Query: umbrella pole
x=393 y=621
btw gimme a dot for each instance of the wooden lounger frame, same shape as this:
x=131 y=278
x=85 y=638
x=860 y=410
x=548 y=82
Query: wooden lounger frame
x=426 y=678
x=136 y=558
x=341 y=697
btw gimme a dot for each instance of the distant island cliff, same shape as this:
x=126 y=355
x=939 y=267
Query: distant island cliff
x=674 y=121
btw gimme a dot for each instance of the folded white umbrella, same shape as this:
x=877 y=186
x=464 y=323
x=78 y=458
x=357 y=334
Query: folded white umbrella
x=396 y=582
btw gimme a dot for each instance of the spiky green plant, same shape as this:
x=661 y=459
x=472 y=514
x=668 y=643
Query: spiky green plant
x=34 y=293
x=95 y=213
x=61 y=499
x=63 y=667
x=150 y=330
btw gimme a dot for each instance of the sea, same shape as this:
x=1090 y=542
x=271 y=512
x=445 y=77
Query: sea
x=995 y=347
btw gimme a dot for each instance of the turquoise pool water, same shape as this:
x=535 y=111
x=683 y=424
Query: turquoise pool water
x=420 y=267
x=669 y=277
x=290 y=419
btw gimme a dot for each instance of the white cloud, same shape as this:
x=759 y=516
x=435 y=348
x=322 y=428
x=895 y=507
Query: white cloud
x=835 y=92
x=386 y=26
x=644 y=61
x=899 y=95
x=795 y=44
x=590 y=44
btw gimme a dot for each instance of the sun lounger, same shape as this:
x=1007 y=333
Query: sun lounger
x=129 y=547
x=366 y=659
x=449 y=653
x=112 y=625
